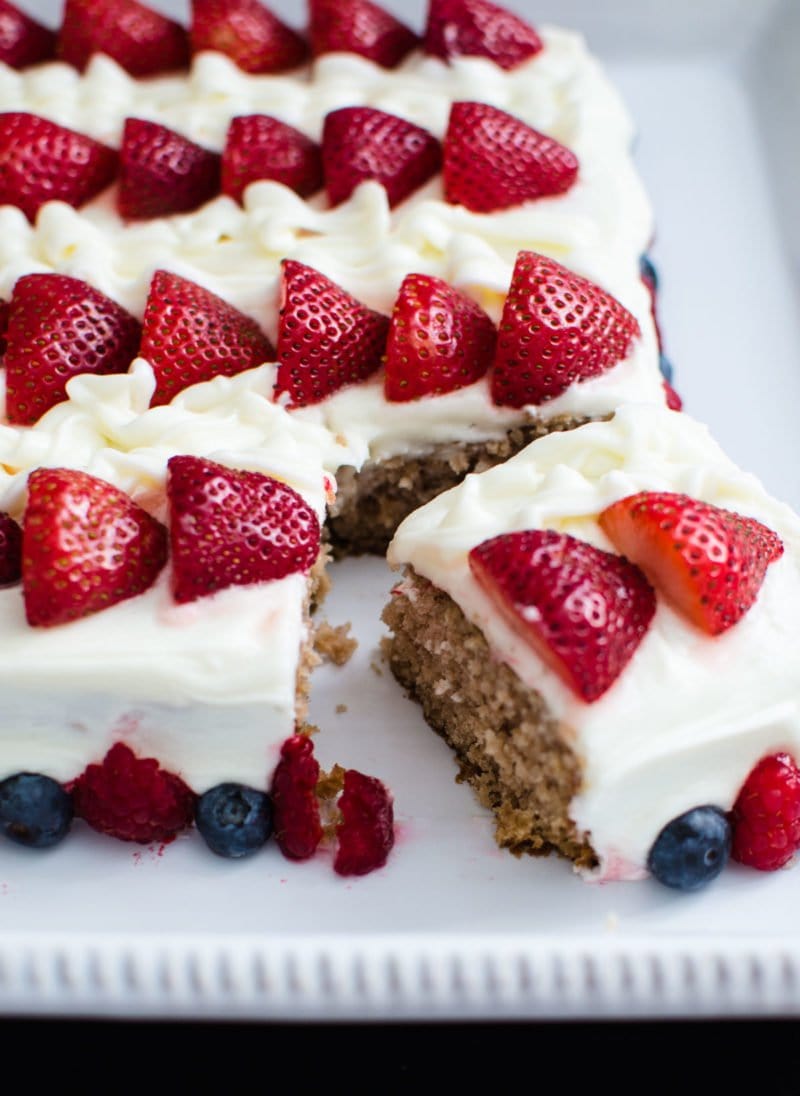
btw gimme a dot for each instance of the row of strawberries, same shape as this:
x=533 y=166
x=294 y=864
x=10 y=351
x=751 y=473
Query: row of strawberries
x=489 y=161
x=557 y=329
x=146 y=43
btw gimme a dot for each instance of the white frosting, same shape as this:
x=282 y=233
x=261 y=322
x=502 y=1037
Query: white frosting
x=599 y=228
x=690 y=715
x=208 y=688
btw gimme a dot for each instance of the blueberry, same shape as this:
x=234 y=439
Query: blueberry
x=648 y=271
x=234 y=820
x=692 y=849
x=34 y=810
x=665 y=365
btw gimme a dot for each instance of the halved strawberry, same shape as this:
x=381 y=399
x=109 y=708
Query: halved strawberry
x=10 y=550
x=260 y=147
x=248 y=33
x=162 y=172
x=360 y=143
x=557 y=329
x=359 y=26
x=191 y=335
x=708 y=562
x=23 y=41
x=296 y=812
x=439 y=340
x=132 y=798
x=234 y=528
x=492 y=160
x=85 y=546
x=139 y=39
x=583 y=610
x=41 y=161
x=478 y=28
x=59 y=327
x=326 y=338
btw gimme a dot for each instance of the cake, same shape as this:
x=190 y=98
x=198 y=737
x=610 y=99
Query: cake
x=585 y=208
x=603 y=668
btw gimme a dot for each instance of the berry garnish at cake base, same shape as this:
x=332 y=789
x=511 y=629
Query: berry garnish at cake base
x=162 y=172
x=141 y=40
x=360 y=27
x=23 y=41
x=60 y=327
x=492 y=160
x=660 y=770
x=41 y=161
x=190 y=335
x=247 y=32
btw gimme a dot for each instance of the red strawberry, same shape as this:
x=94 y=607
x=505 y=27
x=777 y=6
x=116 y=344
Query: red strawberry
x=765 y=819
x=557 y=329
x=139 y=39
x=59 y=327
x=296 y=813
x=439 y=340
x=492 y=160
x=191 y=335
x=10 y=550
x=41 y=161
x=133 y=798
x=478 y=28
x=708 y=562
x=366 y=832
x=248 y=33
x=23 y=41
x=85 y=546
x=360 y=143
x=359 y=26
x=163 y=172
x=261 y=147
x=234 y=528
x=584 y=611
x=326 y=338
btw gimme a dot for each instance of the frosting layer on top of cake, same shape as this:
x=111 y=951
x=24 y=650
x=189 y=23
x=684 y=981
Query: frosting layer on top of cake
x=690 y=715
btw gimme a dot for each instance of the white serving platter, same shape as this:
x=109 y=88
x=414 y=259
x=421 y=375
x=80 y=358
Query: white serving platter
x=453 y=928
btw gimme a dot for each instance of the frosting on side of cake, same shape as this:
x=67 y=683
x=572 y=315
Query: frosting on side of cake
x=690 y=715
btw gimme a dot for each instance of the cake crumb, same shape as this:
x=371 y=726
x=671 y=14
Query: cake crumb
x=376 y=667
x=341 y=709
x=334 y=644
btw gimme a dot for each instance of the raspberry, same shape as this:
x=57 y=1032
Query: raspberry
x=366 y=832
x=133 y=798
x=766 y=815
x=296 y=815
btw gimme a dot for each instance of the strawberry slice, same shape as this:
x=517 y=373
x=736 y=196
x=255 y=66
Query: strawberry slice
x=326 y=338
x=492 y=160
x=191 y=335
x=139 y=39
x=296 y=813
x=583 y=610
x=234 y=528
x=85 y=547
x=557 y=329
x=23 y=41
x=359 y=26
x=478 y=28
x=708 y=562
x=10 y=550
x=60 y=327
x=162 y=172
x=41 y=161
x=260 y=147
x=248 y=33
x=439 y=340
x=360 y=143
x=132 y=798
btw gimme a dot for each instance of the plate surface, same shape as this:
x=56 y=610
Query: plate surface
x=452 y=927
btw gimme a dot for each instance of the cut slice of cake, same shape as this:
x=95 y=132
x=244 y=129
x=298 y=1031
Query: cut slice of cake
x=605 y=630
